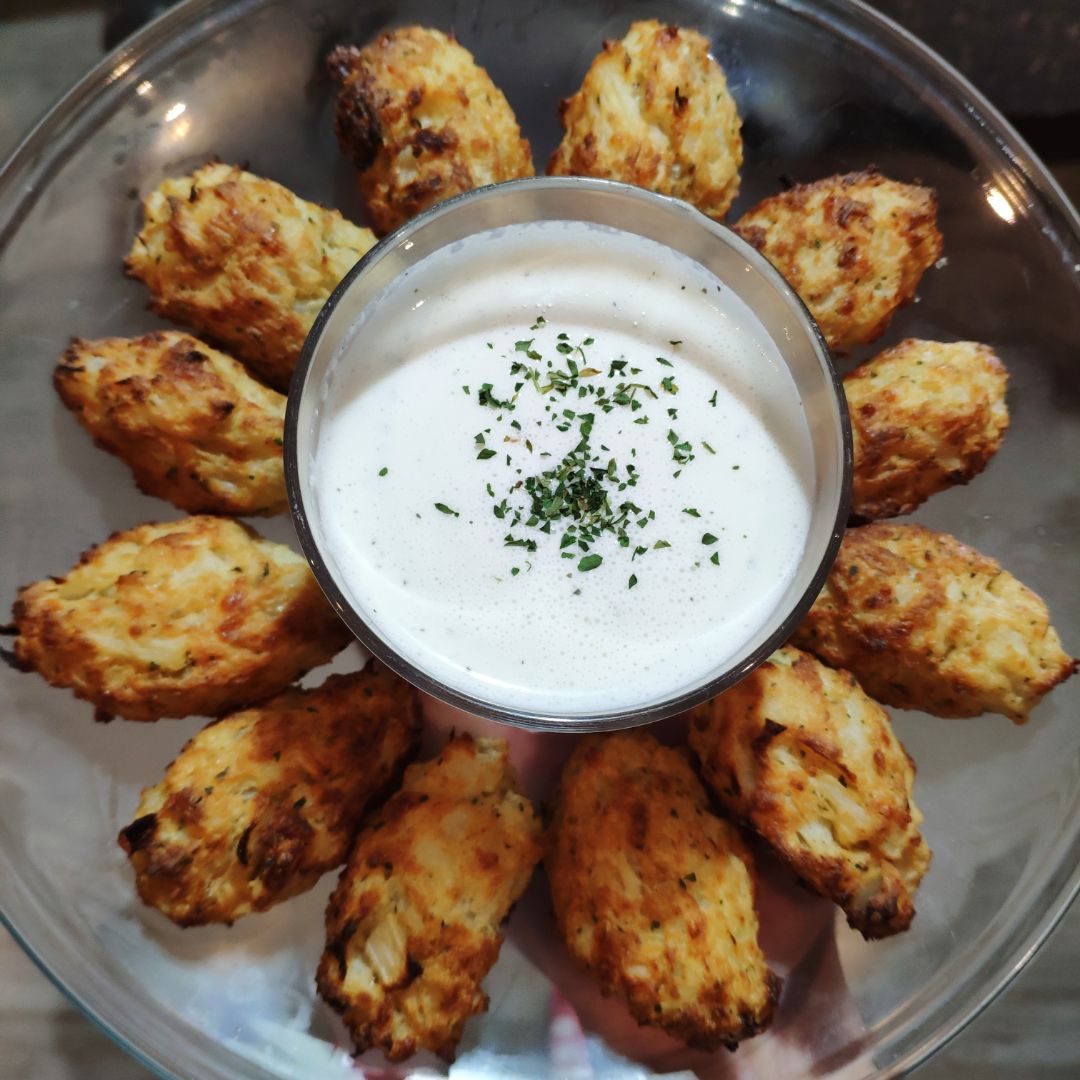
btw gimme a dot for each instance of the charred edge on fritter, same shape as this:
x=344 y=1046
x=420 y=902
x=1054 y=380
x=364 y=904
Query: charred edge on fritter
x=356 y=115
x=136 y=836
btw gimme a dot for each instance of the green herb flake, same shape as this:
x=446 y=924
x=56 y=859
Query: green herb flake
x=714 y=558
x=632 y=582
x=708 y=538
x=486 y=453
x=444 y=509
x=383 y=471
x=590 y=562
x=691 y=511
x=666 y=363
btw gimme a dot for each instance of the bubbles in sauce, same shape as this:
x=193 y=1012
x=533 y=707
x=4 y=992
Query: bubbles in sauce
x=563 y=469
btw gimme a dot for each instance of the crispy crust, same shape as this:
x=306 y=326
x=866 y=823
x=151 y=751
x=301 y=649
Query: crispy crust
x=413 y=926
x=654 y=110
x=421 y=121
x=853 y=247
x=260 y=804
x=243 y=261
x=926 y=622
x=189 y=421
x=654 y=895
x=809 y=762
x=193 y=617
x=924 y=416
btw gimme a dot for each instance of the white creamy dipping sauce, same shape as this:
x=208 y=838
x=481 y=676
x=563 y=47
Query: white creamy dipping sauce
x=520 y=552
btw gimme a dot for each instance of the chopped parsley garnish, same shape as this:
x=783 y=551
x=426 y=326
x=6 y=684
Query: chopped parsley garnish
x=583 y=495
x=708 y=538
x=487 y=398
x=383 y=471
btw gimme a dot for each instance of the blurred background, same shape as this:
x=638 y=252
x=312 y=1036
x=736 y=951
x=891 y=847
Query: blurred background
x=1026 y=57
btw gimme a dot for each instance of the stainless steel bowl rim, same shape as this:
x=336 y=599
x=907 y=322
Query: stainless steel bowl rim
x=372 y=640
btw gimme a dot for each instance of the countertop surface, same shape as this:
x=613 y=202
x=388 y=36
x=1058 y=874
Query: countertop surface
x=1031 y=1032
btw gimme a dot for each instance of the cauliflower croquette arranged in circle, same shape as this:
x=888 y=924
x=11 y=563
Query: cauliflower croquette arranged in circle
x=243 y=261
x=258 y=805
x=193 y=426
x=809 y=762
x=925 y=415
x=853 y=247
x=654 y=110
x=414 y=924
x=654 y=894
x=421 y=121
x=926 y=622
x=187 y=618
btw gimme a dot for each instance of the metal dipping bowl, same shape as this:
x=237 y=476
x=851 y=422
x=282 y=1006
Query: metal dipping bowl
x=667 y=221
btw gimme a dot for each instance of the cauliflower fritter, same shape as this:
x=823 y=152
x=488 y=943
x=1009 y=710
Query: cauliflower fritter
x=853 y=247
x=189 y=421
x=244 y=261
x=654 y=110
x=800 y=754
x=654 y=895
x=926 y=622
x=191 y=617
x=924 y=415
x=260 y=804
x=421 y=121
x=413 y=926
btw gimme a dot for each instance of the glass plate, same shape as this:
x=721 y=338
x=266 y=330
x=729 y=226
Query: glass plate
x=823 y=87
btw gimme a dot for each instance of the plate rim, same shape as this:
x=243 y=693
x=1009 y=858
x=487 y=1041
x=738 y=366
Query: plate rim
x=865 y=27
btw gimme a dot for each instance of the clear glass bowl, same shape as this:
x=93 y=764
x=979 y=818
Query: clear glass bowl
x=823 y=87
